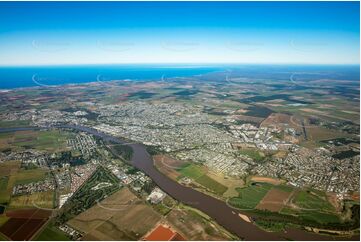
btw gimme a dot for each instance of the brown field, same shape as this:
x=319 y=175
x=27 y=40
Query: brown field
x=194 y=226
x=96 y=215
x=23 y=224
x=274 y=200
x=273 y=181
x=29 y=213
x=167 y=165
x=122 y=216
x=9 y=167
x=318 y=134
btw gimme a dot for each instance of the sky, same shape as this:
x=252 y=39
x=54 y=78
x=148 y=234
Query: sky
x=57 y=33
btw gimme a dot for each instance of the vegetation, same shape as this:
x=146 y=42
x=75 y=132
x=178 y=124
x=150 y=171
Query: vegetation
x=89 y=194
x=51 y=233
x=192 y=171
x=211 y=184
x=250 y=196
x=124 y=151
x=253 y=154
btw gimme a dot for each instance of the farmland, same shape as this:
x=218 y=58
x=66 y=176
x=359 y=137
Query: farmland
x=39 y=199
x=23 y=224
x=121 y=216
x=51 y=233
x=51 y=140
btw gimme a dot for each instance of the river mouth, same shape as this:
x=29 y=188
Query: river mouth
x=218 y=210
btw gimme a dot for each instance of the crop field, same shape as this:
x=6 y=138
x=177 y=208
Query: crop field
x=96 y=215
x=51 y=233
x=4 y=193
x=274 y=200
x=52 y=140
x=121 y=216
x=9 y=167
x=15 y=176
x=38 y=199
x=23 y=224
x=14 y=123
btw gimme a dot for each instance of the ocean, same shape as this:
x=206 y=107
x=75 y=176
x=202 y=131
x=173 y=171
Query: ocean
x=30 y=76
x=16 y=77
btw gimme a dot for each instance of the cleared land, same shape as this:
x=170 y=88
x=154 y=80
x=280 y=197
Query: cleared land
x=273 y=181
x=196 y=227
x=168 y=165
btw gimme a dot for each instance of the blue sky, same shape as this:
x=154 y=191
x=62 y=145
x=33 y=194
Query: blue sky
x=37 y=33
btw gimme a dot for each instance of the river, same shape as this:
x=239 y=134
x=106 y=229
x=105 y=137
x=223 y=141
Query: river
x=216 y=209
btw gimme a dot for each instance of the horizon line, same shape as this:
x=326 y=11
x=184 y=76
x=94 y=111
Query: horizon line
x=182 y=63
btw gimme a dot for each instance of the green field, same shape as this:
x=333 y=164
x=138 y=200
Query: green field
x=312 y=200
x=250 y=196
x=28 y=176
x=252 y=153
x=211 y=184
x=51 y=233
x=15 y=123
x=192 y=171
x=4 y=194
x=52 y=140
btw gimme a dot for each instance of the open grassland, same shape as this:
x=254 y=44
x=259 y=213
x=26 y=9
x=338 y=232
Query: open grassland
x=199 y=175
x=4 y=193
x=248 y=197
x=311 y=200
x=229 y=182
x=192 y=171
x=252 y=153
x=51 y=140
x=211 y=184
x=14 y=123
x=38 y=199
x=18 y=177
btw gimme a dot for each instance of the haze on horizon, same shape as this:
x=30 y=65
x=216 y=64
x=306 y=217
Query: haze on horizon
x=54 y=33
